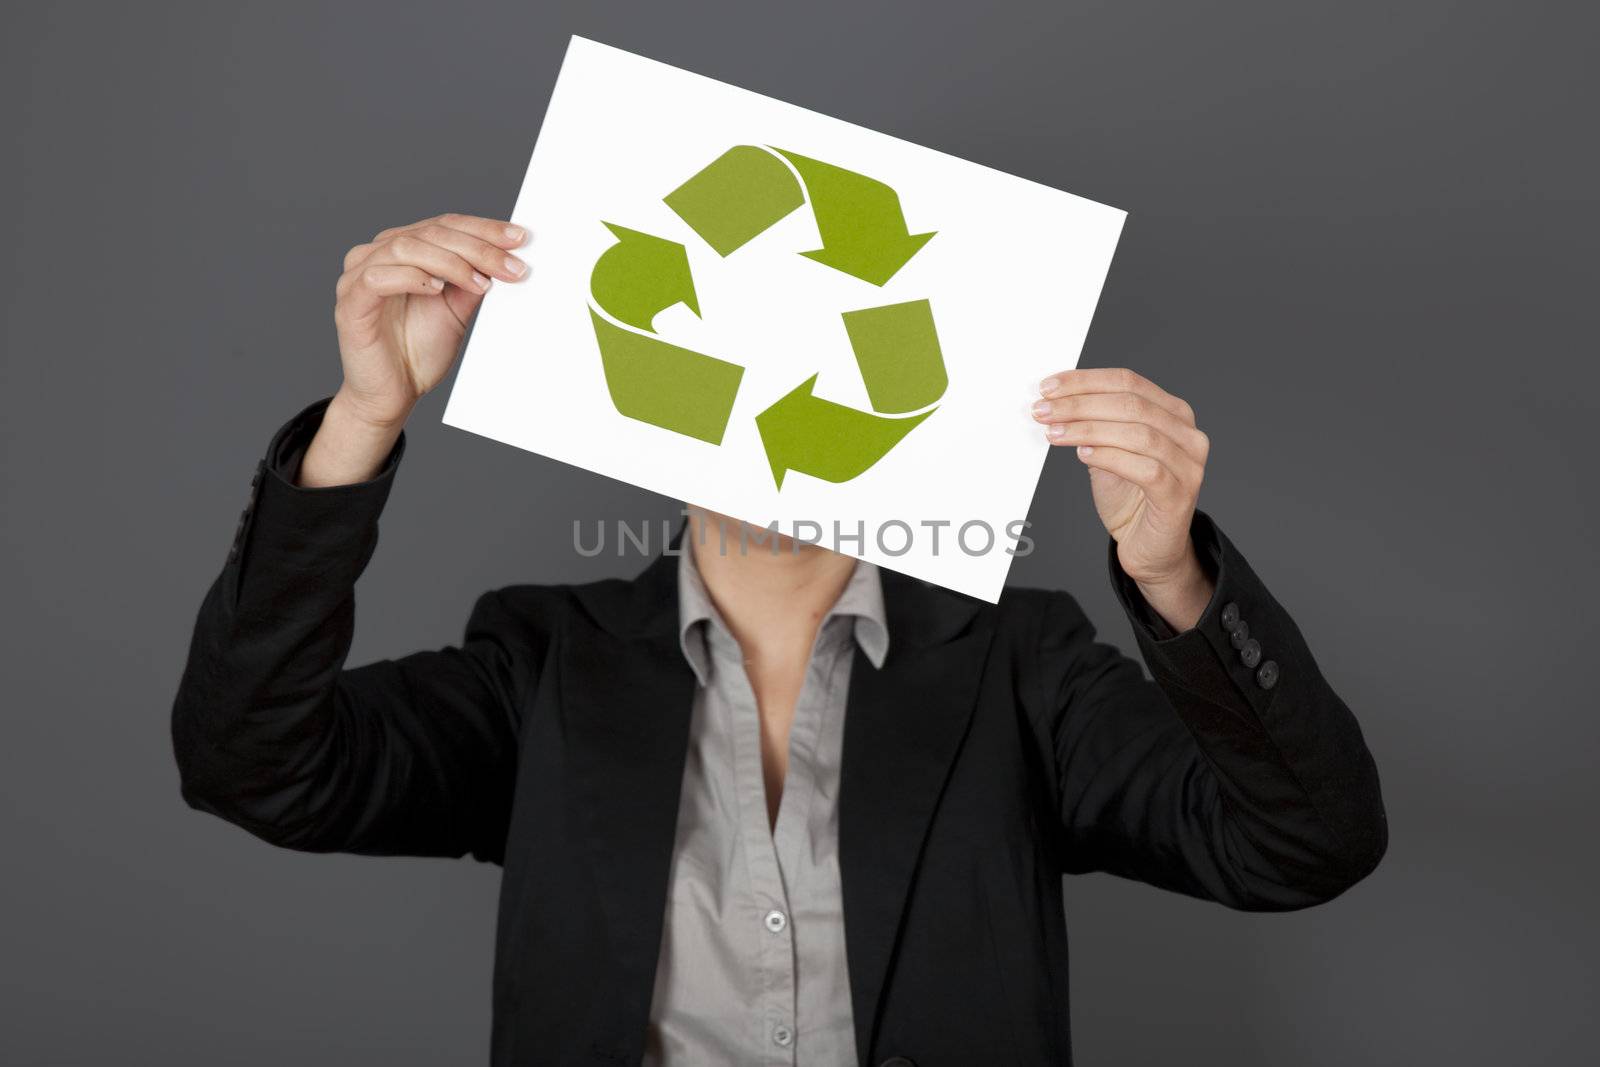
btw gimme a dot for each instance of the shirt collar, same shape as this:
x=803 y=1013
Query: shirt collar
x=861 y=599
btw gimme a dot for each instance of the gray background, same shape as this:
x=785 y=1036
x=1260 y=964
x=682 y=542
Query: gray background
x=1360 y=242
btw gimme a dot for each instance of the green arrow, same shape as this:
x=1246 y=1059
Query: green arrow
x=667 y=386
x=641 y=276
x=863 y=230
x=805 y=433
x=897 y=350
x=736 y=197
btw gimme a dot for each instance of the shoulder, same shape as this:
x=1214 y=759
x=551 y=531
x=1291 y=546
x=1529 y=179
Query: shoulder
x=1042 y=622
x=1024 y=616
x=546 y=607
x=1029 y=605
x=645 y=605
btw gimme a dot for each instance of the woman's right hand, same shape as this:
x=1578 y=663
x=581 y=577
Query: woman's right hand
x=404 y=302
x=402 y=309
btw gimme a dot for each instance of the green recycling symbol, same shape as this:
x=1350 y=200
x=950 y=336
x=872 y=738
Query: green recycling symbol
x=738 y=196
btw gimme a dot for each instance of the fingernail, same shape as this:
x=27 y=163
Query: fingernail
x=1049 y=385
x=515 y=267
x=1085 y=450
x=516 y=233
x=436 y=283
x=1041 y=409
x=481 y=282
x=1055 y=431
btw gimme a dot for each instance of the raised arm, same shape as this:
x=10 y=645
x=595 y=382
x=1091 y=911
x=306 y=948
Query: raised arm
x=270 y=731
x=1238 y=775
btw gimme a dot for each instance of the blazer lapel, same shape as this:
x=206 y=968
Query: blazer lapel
x=627 y=696
x=903 y=727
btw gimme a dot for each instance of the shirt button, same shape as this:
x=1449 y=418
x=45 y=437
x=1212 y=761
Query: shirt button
x=1230 y=615
x=782 y=1036
x=1250 y=653
x=776 y=921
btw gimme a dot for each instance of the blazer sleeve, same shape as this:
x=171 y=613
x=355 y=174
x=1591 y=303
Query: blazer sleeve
x=271 y=732
x=1237 y=775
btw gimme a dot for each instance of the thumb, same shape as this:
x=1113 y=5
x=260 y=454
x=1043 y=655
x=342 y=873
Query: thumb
x=1116 y=500
x=463 y=303
x=1103 y=482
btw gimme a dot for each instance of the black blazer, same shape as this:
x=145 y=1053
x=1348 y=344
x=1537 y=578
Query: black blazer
x=997 y=748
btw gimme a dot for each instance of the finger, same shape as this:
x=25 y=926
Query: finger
x=1114 y=380
x=1164 y=488
x=1127 y=408
x=413 y=251
x=495 y=231
x=364 y=289
x=1136 y=437
x=357 y=254
x=486 y=258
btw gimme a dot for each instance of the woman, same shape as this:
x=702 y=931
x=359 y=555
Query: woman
x=768 y=807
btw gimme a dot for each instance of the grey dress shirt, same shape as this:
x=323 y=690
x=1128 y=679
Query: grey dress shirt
x=752 y=967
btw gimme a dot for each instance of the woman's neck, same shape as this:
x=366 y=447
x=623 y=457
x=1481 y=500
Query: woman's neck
x=772 y=592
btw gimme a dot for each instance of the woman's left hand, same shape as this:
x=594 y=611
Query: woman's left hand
x=1146 y=460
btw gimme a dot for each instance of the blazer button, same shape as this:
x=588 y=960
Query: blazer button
x=1239 y=634
x=1230 y=616
x=1250 y=653
x=1267 y=676
x=897 y=1061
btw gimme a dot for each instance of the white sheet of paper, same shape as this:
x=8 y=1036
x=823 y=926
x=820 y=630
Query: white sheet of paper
x=1012 y=275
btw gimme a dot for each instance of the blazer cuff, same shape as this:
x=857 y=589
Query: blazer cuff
x=1243 y=644
x=287 y=529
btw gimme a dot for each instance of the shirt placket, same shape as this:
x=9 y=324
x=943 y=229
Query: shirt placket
x=764 y=848
x=767 y=908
